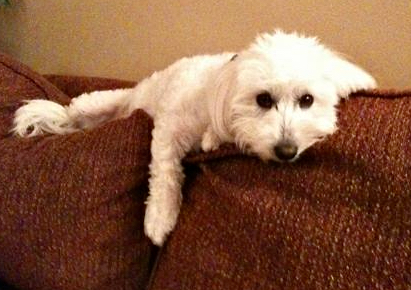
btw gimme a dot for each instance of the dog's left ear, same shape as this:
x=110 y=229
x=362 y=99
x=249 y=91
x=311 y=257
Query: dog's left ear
x=347 y=77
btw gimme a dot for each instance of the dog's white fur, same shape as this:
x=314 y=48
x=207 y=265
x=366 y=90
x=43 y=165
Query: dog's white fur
x=203 y=101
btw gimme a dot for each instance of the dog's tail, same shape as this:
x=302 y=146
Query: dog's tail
x=37 y=117
x=86 y=111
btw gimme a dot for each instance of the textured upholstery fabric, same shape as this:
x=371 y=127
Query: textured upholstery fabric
x=339 y=218
x=71 y=207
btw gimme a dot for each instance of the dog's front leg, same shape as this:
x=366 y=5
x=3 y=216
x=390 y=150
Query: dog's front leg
x=168 y=147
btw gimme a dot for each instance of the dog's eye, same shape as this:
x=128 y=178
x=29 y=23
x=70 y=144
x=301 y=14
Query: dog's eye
x=264 y=100
x=306 y=101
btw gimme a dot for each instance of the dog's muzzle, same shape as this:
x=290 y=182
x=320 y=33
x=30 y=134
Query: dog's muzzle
x=285 y=150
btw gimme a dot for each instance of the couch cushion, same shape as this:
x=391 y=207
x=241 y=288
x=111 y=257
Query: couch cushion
x=339 y=218
x=71 y=207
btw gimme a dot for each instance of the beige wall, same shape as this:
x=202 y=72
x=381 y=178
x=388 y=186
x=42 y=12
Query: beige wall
x=129 y=39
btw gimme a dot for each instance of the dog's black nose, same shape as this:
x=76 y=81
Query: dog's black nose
x=285 y=150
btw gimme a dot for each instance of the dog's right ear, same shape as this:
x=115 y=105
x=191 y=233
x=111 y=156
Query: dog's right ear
x=220 y=92
x=348 y=77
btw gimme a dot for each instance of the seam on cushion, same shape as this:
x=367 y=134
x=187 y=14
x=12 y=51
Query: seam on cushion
x=19 y=72
x=225 y=150
x=153 y=272
x=210 y=175
x=41 y=85
x=161 y=250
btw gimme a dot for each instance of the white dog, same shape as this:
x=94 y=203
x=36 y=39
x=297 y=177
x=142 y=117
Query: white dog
x=274 y=99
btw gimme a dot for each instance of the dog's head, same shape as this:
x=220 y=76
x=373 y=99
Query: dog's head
x=278 y=97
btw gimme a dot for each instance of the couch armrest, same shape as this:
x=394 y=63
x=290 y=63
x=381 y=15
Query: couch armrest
x=72 y=206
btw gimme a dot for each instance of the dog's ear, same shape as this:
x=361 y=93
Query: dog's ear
x=348 y=77
x=220 y=93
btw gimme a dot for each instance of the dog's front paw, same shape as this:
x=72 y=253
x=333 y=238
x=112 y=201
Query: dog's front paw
x=210 y=140
x=159 y=221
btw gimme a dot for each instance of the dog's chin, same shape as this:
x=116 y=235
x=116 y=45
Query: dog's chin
x=278 y=160
x=268 y=156
x=271 y=157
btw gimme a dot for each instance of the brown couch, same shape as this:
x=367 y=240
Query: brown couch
x=72 y=207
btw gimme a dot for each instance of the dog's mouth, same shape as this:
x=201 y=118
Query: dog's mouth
x=285 y=152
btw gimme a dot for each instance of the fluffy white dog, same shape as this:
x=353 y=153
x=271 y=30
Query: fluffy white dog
x=274 y=99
